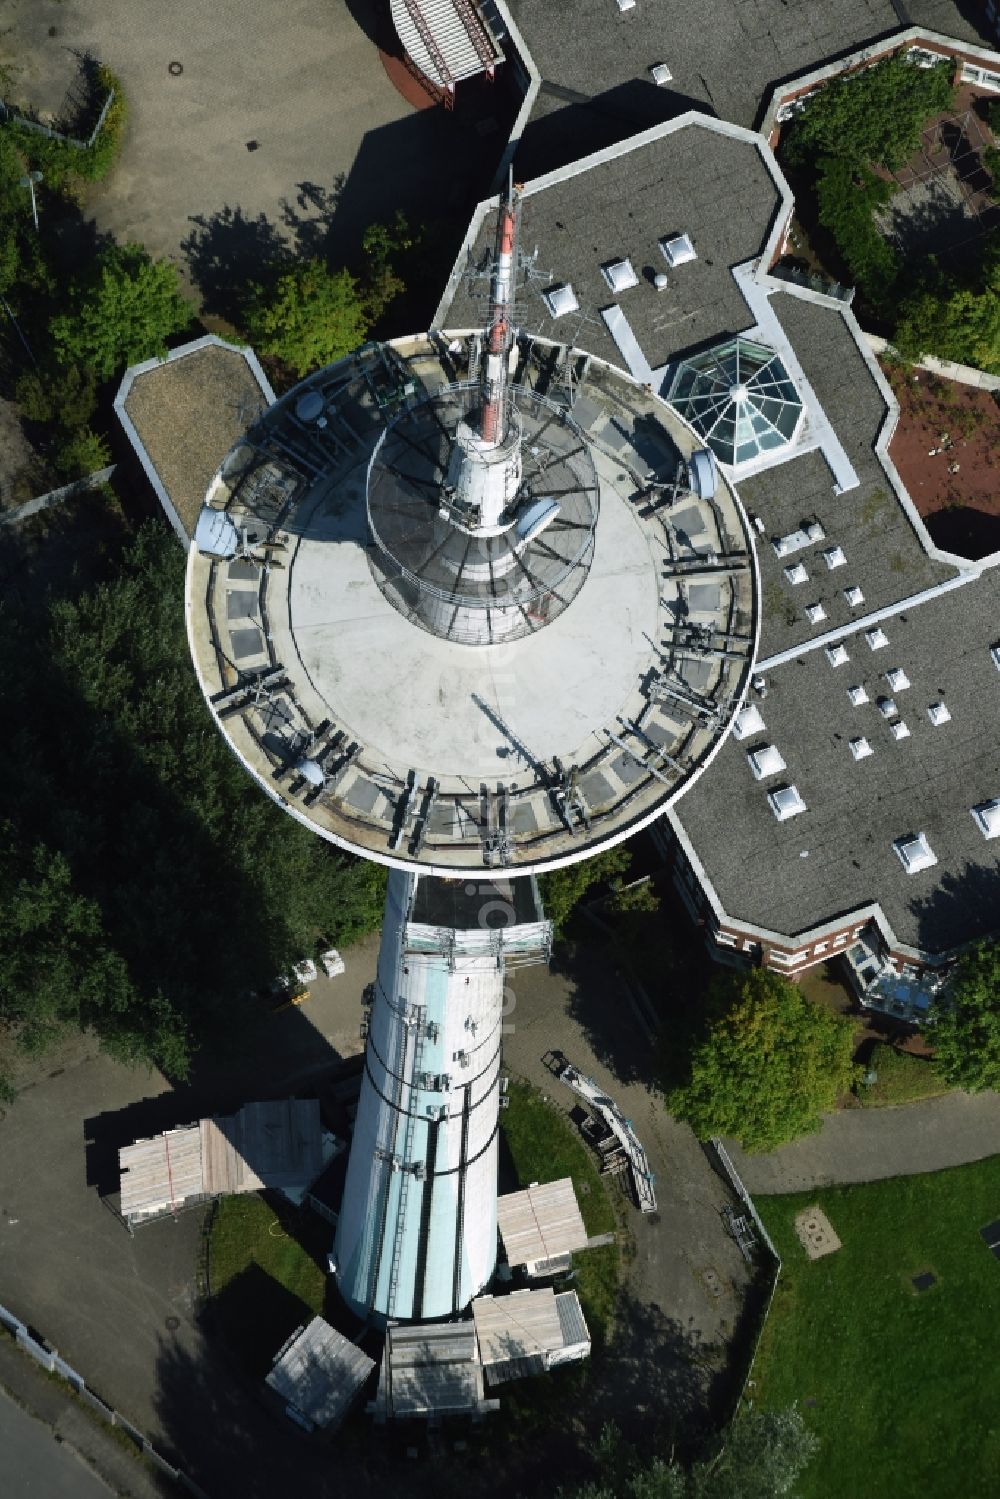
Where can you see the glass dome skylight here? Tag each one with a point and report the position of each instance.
(740, 399)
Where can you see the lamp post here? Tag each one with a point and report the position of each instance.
(29, 181)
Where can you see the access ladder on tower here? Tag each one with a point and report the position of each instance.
(621, 1128)
(415, 1021)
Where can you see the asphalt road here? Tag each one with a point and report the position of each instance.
(36, 1465)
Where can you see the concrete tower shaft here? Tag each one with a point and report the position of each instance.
(416, 1236)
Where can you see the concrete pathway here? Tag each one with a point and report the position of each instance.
(861, 1145)
(35, 1463)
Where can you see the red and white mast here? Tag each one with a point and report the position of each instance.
(485, 469)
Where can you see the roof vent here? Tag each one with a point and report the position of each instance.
(559, 300)
(837, 654)
(876, 638)
(785, 802)
(796, 573)
(834, 557)
(938, 714)
(765, 762)
(987, 818)
(857, 695)
(309, 407)
(814, 531)
(619, 274)
(899, 730)
(748, 721)
(860, 748)
(661, 281)
(995, 656)
(310, 771)
(678, 249)
(660, 74)
(897, 679)
(626, 4)
(815, 613)
(914, 852)
(886, 707)
(854, 597)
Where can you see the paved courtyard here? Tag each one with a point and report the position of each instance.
(337, 147)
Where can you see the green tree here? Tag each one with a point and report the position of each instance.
(309, 317)
(563, 889)
(873, 116)
(122, 310)
(964, 1021)
(955, 321)
(760, 1455)
(146, 885)
(766, 1063)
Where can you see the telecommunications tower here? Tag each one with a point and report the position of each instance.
(474, 605)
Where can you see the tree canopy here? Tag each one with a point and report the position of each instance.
(309, 317)
(760, 1456)
(874, 116)
(123, 309)
(964, 1021)
(563, 889)
(766, 1063)
(147, 885)
(953, 319)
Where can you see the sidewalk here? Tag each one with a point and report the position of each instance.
(49, 1400)
(861, 1145)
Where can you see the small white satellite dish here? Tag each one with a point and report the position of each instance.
(215, 534)
(311, 772)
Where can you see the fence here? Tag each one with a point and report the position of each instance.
(57, 135)
(735, 1181)
(55, 497)
(50, 1361)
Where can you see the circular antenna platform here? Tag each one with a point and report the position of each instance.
(468, 639)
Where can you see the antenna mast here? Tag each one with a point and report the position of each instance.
(484, 473)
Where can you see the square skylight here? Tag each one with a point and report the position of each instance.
(854, 596)
(899, 729)
(876, 638)
(987, 818)
(792, 542)
(837, 654)
(785, 802)
(660, 74)
(765, 761)
(678, 250)
(938, 714)
(834, 557)
(814, 531)
(860, 748)
(748, 721)
(619, 274)
(796, 574)
(857, 695)
(914, 852)
(995, 656)
(815, 613)
(887, 707)
(626, 4)
(560, 300)
(897, 679)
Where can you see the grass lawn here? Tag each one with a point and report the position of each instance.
(902, 1078)
(544, 1147)
(267, 1273)
(903, 1389)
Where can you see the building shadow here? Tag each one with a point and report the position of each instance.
(965, 530)
(963, 908)
(566, 125)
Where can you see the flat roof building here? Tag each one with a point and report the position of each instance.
(319, 1374)
(529, 1332)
